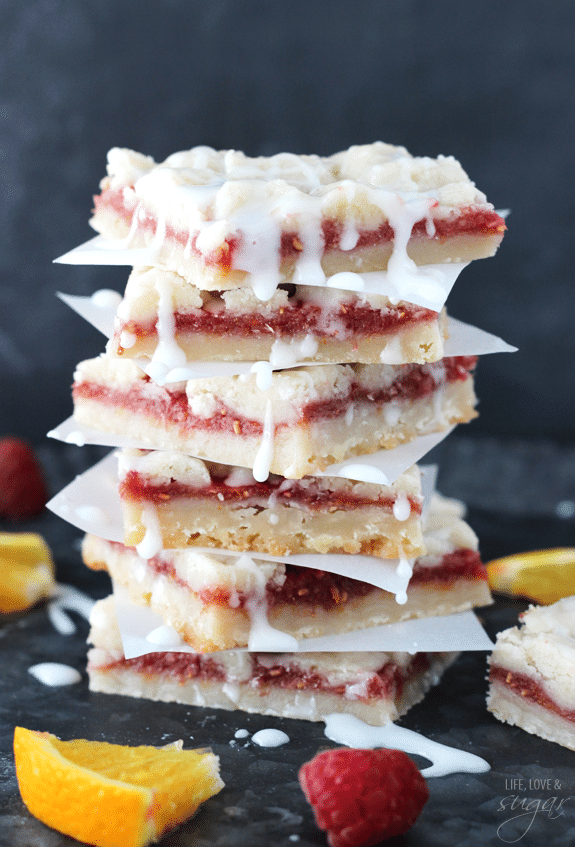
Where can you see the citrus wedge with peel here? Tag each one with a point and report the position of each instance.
(26, 570)
(543, 576)
(111, 795)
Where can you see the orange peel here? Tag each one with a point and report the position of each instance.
(26, 570)
(110, 795)
(543, 576)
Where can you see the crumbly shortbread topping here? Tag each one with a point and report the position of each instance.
(543, 647)
(558, 619)
(345, 179)
(146, 286)
(250, 215)
(161, 467)
(445, 530)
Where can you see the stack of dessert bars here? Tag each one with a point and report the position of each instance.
(277, 365)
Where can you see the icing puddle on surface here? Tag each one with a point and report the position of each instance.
(53, 673)
(353, 732)
(68, 597)
(270, 738)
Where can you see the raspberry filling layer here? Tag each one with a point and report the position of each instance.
(466, 221)
(170, 405)
(386, 683)
(526, 687)
(297, 318)
(310, 587)
(274, 491)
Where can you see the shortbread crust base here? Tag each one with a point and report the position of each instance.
(419, 344)
(193, 523)
(510, 707)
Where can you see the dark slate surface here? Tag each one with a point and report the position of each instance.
(261, 805)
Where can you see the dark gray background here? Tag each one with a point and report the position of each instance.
(489, 82)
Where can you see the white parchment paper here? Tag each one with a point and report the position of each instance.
(452, 632)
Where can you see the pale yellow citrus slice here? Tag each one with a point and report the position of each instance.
(544, 576)
(110, 795)
(26, 570)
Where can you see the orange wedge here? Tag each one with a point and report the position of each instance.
(26, 570)
(544, 576)
(109, 795)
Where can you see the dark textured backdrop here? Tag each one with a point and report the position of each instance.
(489, 82)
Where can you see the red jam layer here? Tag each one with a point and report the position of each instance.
(171, 407)
(310, 587)
(297, 318)
(466, 221)
(386, 683)
(183, 666)
(133, 486)
(525, 686)
(460, 564)
(414, 383)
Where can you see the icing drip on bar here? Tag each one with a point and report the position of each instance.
(262, 636)
(151, 543)
(168, 355)
(263, 460)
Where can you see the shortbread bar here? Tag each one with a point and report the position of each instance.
(532, 673)
(308, 418)
(222, 219)
(376, 687)
(164, 318)
(185, 502)
(210, 601)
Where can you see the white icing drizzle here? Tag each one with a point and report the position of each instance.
(270, 738)
(264, 456)
(264, 374)
(241, 733)
(105, 298)
(127, 339)
(164, 636)
(401, 507)
(238, 477)
(168, 355)
(404, 568)
(402, 270)
(392, 353)
(308, 269)
(262, 637)
(55, 674)
(68, 597)
(151, 544)
(76, 437)
(261, 263)
(286, 355)
(353, 732)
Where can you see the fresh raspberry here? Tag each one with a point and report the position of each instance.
(361, 797)
(23, 491)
